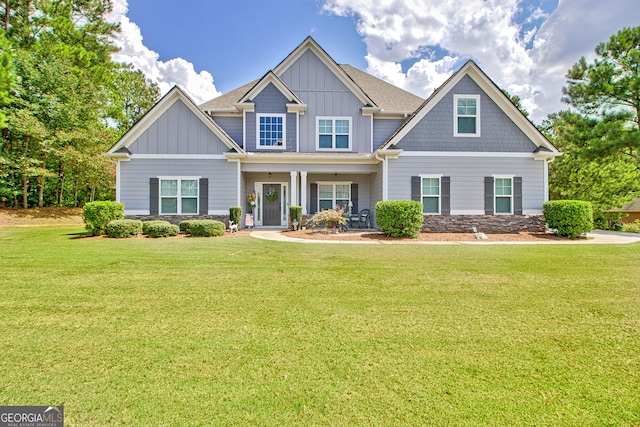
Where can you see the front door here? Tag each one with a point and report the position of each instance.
(271, 194)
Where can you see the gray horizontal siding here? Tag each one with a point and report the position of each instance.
(435, 131)
(325, 95)
(467, 178)
(232, 126)
(178, 131)
(135, 175)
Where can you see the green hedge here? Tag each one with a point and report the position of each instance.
(96, 215)
(235, 214)
(571, 218)
(159, 229)
(206, 228)
(185, 225)
(633, 227)
(400, 218)
(122, 228)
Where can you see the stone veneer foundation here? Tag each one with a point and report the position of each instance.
(483, 223)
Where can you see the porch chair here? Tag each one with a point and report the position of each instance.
(362, 219)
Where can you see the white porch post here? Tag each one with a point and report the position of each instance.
(294, 188)
(303, 191)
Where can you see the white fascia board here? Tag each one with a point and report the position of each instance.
(267, 158)
(465, 154)
(118, 156)
(179, 156)
(297, 108)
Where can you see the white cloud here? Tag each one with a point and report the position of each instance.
(486, 31)
(166, 74)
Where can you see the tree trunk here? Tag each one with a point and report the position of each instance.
(40, 190)
(25, 189)
(93, 194)
(7, 12)
(60, 183)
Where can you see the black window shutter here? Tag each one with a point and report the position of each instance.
(445, 195)
(204, 196)
(416, 190)
(154, 196)
(488, 195)
(354, 198)
(517, 195)
(314, 198)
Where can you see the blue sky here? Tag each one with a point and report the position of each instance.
(209, 47)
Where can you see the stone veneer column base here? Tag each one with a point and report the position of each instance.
(483, 223)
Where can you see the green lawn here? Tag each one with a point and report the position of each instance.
(240, 331)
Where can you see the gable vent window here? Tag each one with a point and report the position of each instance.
(334, 133)
(271, 131)
(466, 115)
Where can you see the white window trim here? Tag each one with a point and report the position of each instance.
(333, 136)
(455, 116)
(495, 195)
(334, 183)
(179, 196)
(284, 132)
(422, 196)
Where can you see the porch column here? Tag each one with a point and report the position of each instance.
(294, 188)
(303, 191)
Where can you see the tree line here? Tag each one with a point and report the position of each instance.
(64, 101)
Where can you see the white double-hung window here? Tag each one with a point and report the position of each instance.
(271, 131)
(466, 112)
(334, 133)
(331, 195)
(503, 194)
(430, 194)
(179, 196)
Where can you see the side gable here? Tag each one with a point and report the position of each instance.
(175, 125)
(470, 79)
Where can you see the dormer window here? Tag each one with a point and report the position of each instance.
(271, 131)
(334, 133)
(466, 112)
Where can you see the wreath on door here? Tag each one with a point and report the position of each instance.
(271, 194)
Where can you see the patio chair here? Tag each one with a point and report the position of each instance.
(362, 219)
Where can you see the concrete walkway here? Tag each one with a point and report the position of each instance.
(593, 238)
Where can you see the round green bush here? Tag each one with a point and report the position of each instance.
(122, 228)
(400, 218)
(96, 215)
(206, 228)
(184, 225)
(570, 218)
(159, 229)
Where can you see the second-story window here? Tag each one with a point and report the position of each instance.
(334, 133)
(466, 111)
(271, 132)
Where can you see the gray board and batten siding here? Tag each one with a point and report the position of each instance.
(232, 125)
(435, 131)
(467, 179)
(178, 131)
(325, 95)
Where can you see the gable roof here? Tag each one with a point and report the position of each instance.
(543, 147)
(119, 150)
(382, 97)
(632, 206)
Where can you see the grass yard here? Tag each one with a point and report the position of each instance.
(240, 331)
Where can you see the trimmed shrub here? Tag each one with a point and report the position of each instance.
(295, 214)
(185, 225)
(400, 218)
(329, 218)
(235, 214)
(122, 228)
(96, 215)
(206, 228)
(159, 229)
(571, 218)
(607, 220)
(633, 227)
